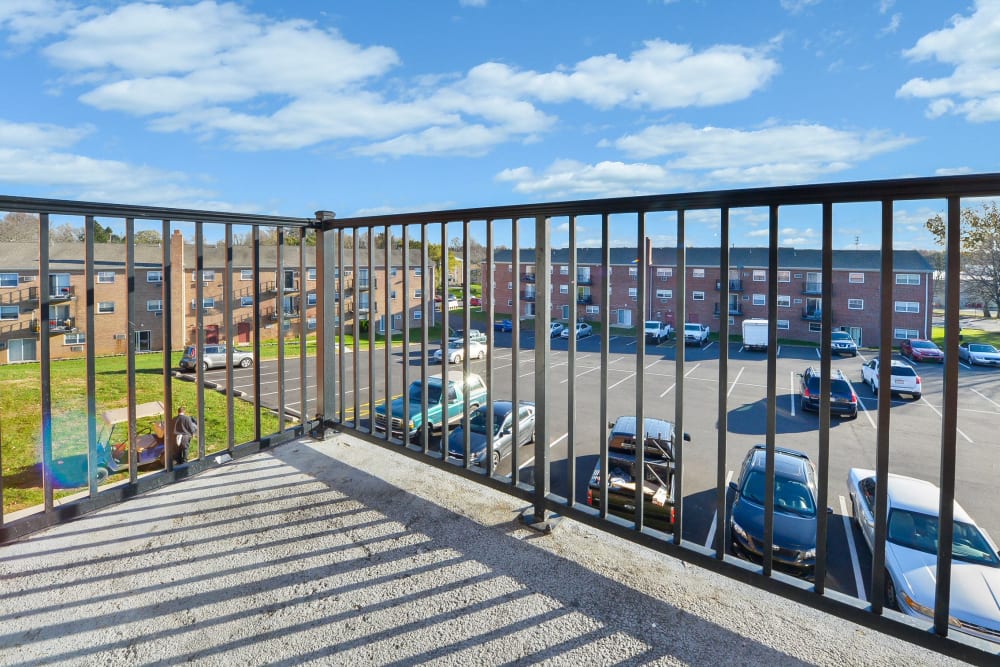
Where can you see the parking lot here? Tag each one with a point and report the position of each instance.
(915, 432)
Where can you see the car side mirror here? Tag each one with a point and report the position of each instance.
(733, 487)
(829, 510)
(611, 424)
(687, 437)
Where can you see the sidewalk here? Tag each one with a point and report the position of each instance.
(340, 552)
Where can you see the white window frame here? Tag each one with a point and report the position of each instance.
(6, 310)
(907, 307)
(900, 334)
(208, 275)
(633, 272)
(815, 327)
(856, 278)
(106, 277)
(510, 303)
(697, 273)
(5, 280)
(664, 294)
(105, 307)
(564, 289)
(75, 338)
(907, 278)
(633, 293)
(697, 296)
(510, 285)
(784, 276)
(311, 274)
(311, 298)
(664, 273)
(154, 276)
(564, 269)
(246, 274)
(784, 301)
(419, 270)
(783, 324)
(593, 310)
(154, 305)
(418, 294)
(855, 304)
(246, 301)
(418, 314)
(759, 275)
(759, 299)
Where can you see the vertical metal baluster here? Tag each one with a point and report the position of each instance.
(255, 236)
(91, 368)
(341, 327)
(640, 367)
(515, 319)
(427, 280)
(279, 309)
(444, 341)
(130, 318)
(356, 357)
(605, 337)
(227, 307)
(387, 273)
(467, 361)
(825, 370)
(372, 304)
(199, 289)
(543, 364)
(304, 326)
(721, 525)
(678, 490)
(45, 366)
(488, 294)
(407, 313)
(571, 369)
(772, 393)
(167, 315)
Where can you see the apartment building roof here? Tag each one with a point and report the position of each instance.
(745, 257)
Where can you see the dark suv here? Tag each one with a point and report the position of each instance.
(843, 399)
(794, 509)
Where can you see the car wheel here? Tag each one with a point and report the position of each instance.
(532, 439)
(482, 355)
(802, 405)
(916, 396)
(891, 601)
(874, 388)
(246, 362)
(496, 459)
(204, 366)
(102, 474)
(854, 354)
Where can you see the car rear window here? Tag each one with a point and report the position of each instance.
(903, 371)
(837, 386)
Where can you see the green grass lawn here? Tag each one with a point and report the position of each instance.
(20, 416)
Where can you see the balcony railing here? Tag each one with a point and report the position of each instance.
(734, 285)
(812, 287)
(734, 309)
(56, 325)
(528, 296)
(528, 277)
(585, 299)
(62, 293)
(357, 377)
(584, 279)
(812, 314)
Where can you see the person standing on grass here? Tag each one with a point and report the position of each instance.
(184, 429)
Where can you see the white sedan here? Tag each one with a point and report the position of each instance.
(979, 354)
(911, 554)
(582, 330)
(456, 351)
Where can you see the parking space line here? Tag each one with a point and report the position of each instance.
(938, 413)
(715, 516)
(630, 375)
(778, 353)
(551, 445)
(865, 410)
(591, 370)
(855, 565)
(735, 381)
(693, 369)
(987, 398)
(668, 390)
(818, 355)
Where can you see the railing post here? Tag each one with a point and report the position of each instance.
(326, 383)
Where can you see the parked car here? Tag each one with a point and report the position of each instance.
(457, 352)
(444, 401)
(795, 508)
(215, 356)
(843, 398)
(904, 379)
(503, 325)
(755, 334)
(475, 301)
(976, 354)
(695, 334)
(918, 349)
(474, 335)
(657, 331)
(842, 342)
(582, 330)
(556, 329)
(911, 549)
(503, 432)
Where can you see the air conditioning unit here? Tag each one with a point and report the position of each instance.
(121, 336)
(25, 279)
(76, 348)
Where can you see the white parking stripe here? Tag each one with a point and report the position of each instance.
(853, 550)
(551, 445)
(668, 390)
(715, 516)
(986, 398)
(735, 381)
(630, 375)
(861, 404)
(938, 413)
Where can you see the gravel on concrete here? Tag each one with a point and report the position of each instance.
(340, 552)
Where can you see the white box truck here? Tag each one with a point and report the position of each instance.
(755, 334)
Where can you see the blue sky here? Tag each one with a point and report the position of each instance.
(381, 107)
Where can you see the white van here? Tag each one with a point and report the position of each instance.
(755, 334)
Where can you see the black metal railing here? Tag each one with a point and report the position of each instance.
(528, 277)
(734, 285)
(812, 315)
(585, 299)
(584, 279)
(734, 309)
(358, 379)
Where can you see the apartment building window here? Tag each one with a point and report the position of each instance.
(310, 323)
(784, 276)
(418, 294)
(759, 275)
(664, 294)
(900, 334)
(633, 293)
(510, 302)
(697, 273)
(208, 275)
(510, 285)
(633, 273)
(105, 276)
(78, 338)
(815, 327)
(246, 301)
(154, 305)
(105, 307)
(784, 301)
(290, 278)
(10, 312)
(783, 324)
(419, 271)
(663, 274)
(348, 273)
(8, 280)
(206, 303)
(418, 314)
(246, 274)
(311, 274)
(593, 310)
(856, 278)
(759, 299)
(907, 278)
(564, 289)
(855, 304)
(907, 307)
(311, 298)
(154, 276)
(392, 272)
(564, 269)
(697, 296)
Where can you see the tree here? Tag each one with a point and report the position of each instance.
(980, 247)
(19, 227)
(147, 237)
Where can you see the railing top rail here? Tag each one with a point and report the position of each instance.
(978, 185)
(98, 209)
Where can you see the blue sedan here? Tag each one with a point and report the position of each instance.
(503, 325)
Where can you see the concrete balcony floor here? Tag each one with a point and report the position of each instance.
(340, 552)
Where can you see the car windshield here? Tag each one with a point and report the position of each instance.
(477, 422)
(433, 393)
(840, 335)
(915, 530)
(978, 347)
(692, 327)
(652, 324)
(923, 344)
(790, 496)
(456, 344)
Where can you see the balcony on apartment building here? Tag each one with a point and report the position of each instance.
(584, 279)
(812, 287)
(62, 293)
(528, 295)
(528, 277)
(734, 309)
(734, 285)
(812, 314)
(56, 325)
(584, 299)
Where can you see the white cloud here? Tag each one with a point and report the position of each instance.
(30, 20)
(568, 179)
(971, 45)
(893, 25)
(472, 3)
(796, 6)
(40, 135)
(953, 171)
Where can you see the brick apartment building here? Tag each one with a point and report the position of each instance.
(362, 290)
(856, 289)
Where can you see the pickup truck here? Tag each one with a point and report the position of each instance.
(658, 473)
(475, 335)
(658, 331)
(439, 403)
(695, 334)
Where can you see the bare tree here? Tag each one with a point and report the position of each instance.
(19, 227)
(980, 232)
